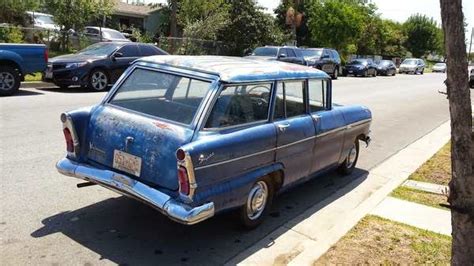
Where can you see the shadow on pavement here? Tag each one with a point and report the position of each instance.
(69, 90)
(22, 92)
(127, 232)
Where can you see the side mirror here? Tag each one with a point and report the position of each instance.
(117, 54)
(282, 56)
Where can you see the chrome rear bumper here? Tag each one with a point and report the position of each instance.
(122, 184)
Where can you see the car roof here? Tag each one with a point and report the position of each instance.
(237, 69)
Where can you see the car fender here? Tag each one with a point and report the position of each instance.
(14, 58)
(231, 193)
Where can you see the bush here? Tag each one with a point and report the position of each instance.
(11, 35)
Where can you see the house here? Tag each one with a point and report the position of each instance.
(140, 16)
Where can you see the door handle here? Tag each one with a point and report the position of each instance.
(283, 127)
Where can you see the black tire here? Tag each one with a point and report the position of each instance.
(348, 166)
(9, 81)
(375, 73)
(422, 71)
(365, 73)
(252, 220)
(335, 73)
(98, 80)
(394, 72)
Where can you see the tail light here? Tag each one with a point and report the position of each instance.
(183, 180)
(46, 55)
(69, 140)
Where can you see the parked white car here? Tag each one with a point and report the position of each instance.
(43, 21)
(439, 67)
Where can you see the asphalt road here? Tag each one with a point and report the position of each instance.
(45, 219)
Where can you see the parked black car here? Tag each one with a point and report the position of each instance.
(98, 65)
(386, 68)
(325, 59)
(360, 67)
(288, 54)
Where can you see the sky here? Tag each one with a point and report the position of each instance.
(398, 10)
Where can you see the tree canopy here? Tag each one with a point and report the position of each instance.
(423, 35)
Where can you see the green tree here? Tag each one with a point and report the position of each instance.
(75, 14)
(423, 35)
(248, 28)
(14, 11)
(392, 38)
(336, 23)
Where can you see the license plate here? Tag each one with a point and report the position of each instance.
(127, 162)
(48, 73)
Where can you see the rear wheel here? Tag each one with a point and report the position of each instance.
(258, 203)
(9, 81)
(98, 80)
(365, 73)
(347, 167)
(375, 73)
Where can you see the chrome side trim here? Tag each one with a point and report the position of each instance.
(358, 123)
(234, 159)
(124, 185)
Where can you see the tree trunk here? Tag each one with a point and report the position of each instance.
(461, 197)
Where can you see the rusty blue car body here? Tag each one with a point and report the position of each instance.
(196, 135)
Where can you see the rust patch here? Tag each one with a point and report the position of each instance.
(162, 125)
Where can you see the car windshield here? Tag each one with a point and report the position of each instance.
(312, 53)
(409, 62)
(100, 49)
(440, 64)
(111, 34)
(168, 96)
(265, 51)
(44, 19)
(358, 62)
(384, 63)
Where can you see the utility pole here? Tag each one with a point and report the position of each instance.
(470, 45)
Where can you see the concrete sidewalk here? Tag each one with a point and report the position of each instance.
(305, 238)
(414, 214)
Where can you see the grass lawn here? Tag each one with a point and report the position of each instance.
(377, 241)
(437, 169)
(33, 77)
(419, 196)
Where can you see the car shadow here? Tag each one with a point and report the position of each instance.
(125, 231)
(24, 92)
(76, 89)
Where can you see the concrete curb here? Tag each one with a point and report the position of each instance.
(36, 84)
(305, 238)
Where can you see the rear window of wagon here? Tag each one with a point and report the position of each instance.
(164, 95)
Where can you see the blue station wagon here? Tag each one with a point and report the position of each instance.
(193, 136)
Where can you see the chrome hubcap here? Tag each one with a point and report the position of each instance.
(7, 81)
(99, 80)
(351, 157)
(257, 200)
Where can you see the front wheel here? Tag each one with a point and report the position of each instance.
(9, 81)
(258, 203)
(98, 80)
(375, 73)
(348, 166)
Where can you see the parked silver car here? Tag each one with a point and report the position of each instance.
(439, 67)
(412, 65)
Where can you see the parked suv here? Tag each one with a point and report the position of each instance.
(412, 65)
(325, 59)
(289, 54)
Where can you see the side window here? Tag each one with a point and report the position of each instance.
(283, 52)
(317, 92)
(240, 104)
(289, 99)
(190, 91)
(147, 50)
(130, 50)
(291, 53)
(326, 54)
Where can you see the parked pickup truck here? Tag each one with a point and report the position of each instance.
(18, 60)
(195, 136)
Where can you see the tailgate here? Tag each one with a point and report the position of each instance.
(140, 146)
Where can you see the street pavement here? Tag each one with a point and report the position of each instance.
(45, 219)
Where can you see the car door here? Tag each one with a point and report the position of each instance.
(295, 130)
(327, 62)
(123, 58)
(329, 126)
